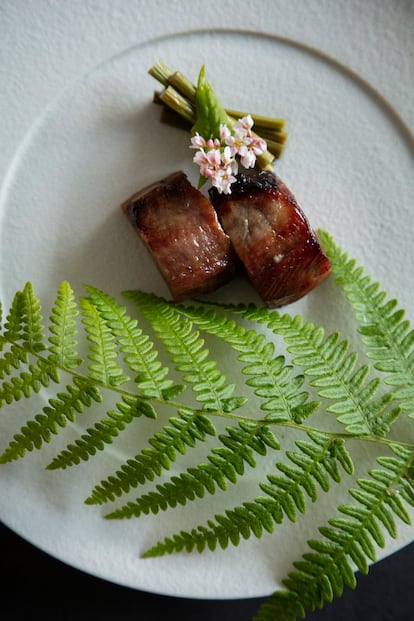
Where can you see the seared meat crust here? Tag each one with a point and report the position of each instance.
(181, 230)
(272, 237)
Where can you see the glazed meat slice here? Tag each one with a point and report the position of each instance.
(180, 228)
(272, 237)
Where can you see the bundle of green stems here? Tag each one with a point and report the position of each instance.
(178, 100)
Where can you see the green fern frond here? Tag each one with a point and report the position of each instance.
(103, 366)
(383, 328)
(349, 542)
(55, 415)
(139, 352)
(313, 466)
(277, 385)
(187, 350)
(224, 465)
(334, 372)
(182, 432)
(270, 375)
(63, 329)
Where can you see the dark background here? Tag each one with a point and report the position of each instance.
(33, 585)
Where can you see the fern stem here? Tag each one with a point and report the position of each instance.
(309, 429)
(216, 413)
(345, 436)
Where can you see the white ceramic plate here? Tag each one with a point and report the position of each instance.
(349, 161)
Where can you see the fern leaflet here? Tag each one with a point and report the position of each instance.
(383, 328)
(55, 415)
(23, 385)
(224, 465)
(316, 462)
(12, 360)
(348, 541)
(334, 374)
(13, 330)
(184, 430)
(24, 322)
(103, 366)
(138, 350)
(269, 374)
(32, 324)
(63, 329)
(103, 432)
(108, 326)
(188, 352)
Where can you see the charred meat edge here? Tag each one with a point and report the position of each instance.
(270, 234)
(180, 228)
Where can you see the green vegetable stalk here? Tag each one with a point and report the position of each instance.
(198, 109)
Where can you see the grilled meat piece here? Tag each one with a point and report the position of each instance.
(181, 230)
(272, 237)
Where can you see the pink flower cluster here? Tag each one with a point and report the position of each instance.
(218, 157)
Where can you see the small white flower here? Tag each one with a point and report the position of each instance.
(228, 159)
(218, 157)
(223, 179)
(258, 145)
(214, 158)
(247, 157)
(224, 132)
(197, 142)
(244, 125)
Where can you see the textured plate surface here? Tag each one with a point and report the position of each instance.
(349, 160)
